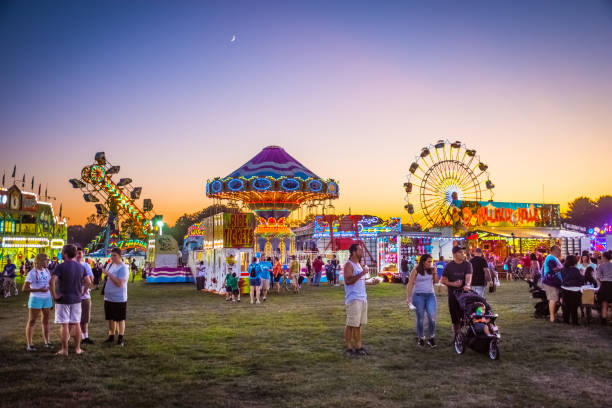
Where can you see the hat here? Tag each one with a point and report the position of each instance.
(457, 249)
(478, 250)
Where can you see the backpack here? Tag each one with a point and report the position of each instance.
(253, 270)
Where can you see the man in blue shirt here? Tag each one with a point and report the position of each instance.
(266, 269)
(551, 267)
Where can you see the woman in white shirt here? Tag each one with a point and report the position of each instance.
(37, 283)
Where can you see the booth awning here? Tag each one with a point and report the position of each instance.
(537, 233)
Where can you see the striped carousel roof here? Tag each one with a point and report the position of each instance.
(275, 162)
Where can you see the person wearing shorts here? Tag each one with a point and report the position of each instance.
(266, 272)
(254, 280)
(552, 266)
(37, 283)
(294, 274)
(277, 273)
(115, 297)
(85, 299)
(457, 276)
(355, 301)
(66, 286)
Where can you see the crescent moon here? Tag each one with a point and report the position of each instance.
(233, 38)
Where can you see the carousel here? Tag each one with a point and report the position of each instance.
(273, 185)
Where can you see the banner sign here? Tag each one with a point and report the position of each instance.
(498, 214)
(28, 202)
(368, 226)
(238, 230)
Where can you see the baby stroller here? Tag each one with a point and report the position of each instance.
(541, 308)
(472, 333)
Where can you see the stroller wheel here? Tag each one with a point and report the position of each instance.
(459, 343)
(494, 350)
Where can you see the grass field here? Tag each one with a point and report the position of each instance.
(189, 349)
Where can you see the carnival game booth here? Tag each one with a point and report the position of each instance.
(501, 228)
(227, 248)
(166, 265)
(28, 227)
(392, 247)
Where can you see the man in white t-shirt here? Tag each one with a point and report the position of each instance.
(85, 299)
(201, 276)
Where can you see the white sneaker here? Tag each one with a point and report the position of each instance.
(258, 302)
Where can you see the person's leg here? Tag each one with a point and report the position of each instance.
(430, 309)
(575, 306)
(121, 327)
(111, 328)
(29, 330)
(76, 329)
(64, 337)
(348, 337)
(418, 301)
(357, 338)
(566, 297)
(604, 311)
(258, 293)
(552, 307)
(46, 325)
(252, 293)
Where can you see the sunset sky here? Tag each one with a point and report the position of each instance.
(351, 89)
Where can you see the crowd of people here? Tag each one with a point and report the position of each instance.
(66, 288)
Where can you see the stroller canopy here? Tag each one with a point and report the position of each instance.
(467, 300)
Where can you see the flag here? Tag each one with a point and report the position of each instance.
(39, 190)
(23, 181)
(32, 183)
(60, 213)
(3, 176)
(46, 193)
(14, 170)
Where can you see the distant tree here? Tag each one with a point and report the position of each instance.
(588, 213)
(83, 235)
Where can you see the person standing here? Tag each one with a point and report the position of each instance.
(134, 269)
(572, 284)
(585, 262)
(404, 271)
(420, 292)
(309, 270)
(201, 276)
(254, 280)
(115, 297)
(355, 301)
(317, 265)
(457, 276)
(67, 283)
(480, 273)
(97, 272)
(604, 277)
(294, 274)
(534, 269)
(9, 275)
(85, 299)
(278, 274)
(266, 271)
(551, 279)
(337, 274)
(37, 283)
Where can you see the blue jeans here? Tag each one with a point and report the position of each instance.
(317, 278)
(425, 302)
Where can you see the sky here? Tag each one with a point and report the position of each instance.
(353, 90)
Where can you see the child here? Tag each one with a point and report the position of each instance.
(228, 286)
(481, 322)
(233, 284)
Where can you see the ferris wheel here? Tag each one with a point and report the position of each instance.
(442, 173)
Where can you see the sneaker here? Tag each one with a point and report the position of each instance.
(264, 299)
(49, 345)
(87, 340)
(228, 299)
(238, 300)
(362, 352)
(421, 343)
(110, 340)
(121, 343)
(258, 302)
(30, 347)
(234, 300)
(350, 353)
(251, 302)
(431, 342)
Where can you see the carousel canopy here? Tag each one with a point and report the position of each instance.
(275, 162)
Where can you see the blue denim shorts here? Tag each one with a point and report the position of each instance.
(255, 281)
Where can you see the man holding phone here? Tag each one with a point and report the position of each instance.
(356, 302)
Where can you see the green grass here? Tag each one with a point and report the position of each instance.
(189, 349)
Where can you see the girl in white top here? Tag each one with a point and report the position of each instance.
(37, 283)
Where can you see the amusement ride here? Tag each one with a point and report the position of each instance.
(440, 174)
(273, 185)
(127, 225)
